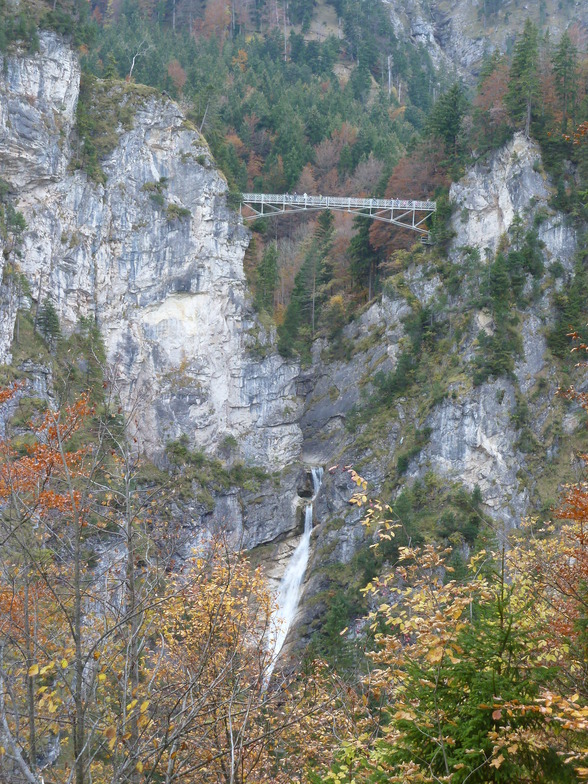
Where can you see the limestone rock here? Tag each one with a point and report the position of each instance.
(165, 284)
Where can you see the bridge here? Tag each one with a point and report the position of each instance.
(401, 212)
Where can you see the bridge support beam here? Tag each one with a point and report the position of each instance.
(405, 213)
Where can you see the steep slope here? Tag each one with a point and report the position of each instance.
(153, 255)
(507, 440)
(459, 34)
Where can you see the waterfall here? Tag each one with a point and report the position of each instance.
(289, 590)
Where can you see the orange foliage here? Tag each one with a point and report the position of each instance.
(254, 167)
(217, 17)
(416, 177)
(240, 61)
(306, 182)
(177, 75)
(47, 458)
(490, 99)
(233, 138)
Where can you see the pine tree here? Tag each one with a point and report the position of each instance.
(311, 288)
(565, 71)
(363, 256)
(111, 69)
(447, 115)
(48, 322)
(267, 279)
(524, 86)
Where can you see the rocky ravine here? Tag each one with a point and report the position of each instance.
(168, 291)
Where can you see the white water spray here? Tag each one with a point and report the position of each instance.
(289, 590)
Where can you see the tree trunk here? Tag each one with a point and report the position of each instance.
(30, 660)
(528, 119)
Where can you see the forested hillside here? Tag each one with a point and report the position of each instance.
(194, 417)
(322, 99)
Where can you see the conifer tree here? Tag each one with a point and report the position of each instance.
(363, 256)
(267, 279)
(565, 71)
(524, 86)
(310, 290)
(48, 322)
(447, 115)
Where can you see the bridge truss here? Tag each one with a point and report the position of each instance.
(401, 212)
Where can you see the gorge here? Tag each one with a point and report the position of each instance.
(163, 279)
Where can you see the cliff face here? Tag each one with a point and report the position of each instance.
(458, 34)
(163, 280)
(473, 434)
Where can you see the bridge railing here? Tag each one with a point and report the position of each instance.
(338, 202)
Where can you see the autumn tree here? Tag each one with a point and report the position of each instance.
(481, 678)
(491, 123)
(110, 669)
(177, 74)
(81, 656)
(416, 176)
(452, 654)
(40, 495)
(217, 17)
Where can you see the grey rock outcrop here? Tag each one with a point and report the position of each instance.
(473, 435)
(492, 193)
(164, 282)
(458, 36)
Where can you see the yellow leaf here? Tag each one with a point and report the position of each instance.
(139, 766)
(34, 670)
(102, 677)
(63, 664)
(435, 655)
(144, 706)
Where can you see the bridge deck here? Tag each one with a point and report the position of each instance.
(406, 213)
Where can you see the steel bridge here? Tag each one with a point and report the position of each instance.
(401, 212)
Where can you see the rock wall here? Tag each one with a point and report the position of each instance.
(473, 431)
(458, 34)
(165, 283)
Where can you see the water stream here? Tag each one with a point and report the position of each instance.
(289, 590)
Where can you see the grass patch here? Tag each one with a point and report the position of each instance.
(106, 108)
(199, 475)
